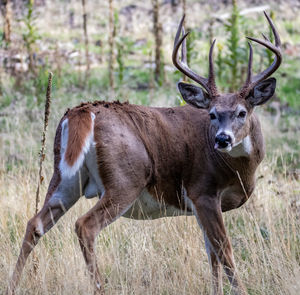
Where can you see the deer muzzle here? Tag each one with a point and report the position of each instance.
(223, 141)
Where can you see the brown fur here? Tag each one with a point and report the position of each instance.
(179, 145)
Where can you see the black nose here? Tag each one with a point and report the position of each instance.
(223, 140)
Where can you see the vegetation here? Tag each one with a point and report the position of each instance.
(165, 256)
(30, 35)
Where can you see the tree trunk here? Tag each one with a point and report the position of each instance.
(111, 42)
(6, 12)
(157, 30)
(86, 40)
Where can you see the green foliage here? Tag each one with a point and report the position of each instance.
(220, 61)
(2, 41)
(120, 62)
(120, 49)
(30, 36)
(190, 45)
(236, 54)
(191, 54)
(161, 78)
(7, 92)
(289, 91)
(6, 100)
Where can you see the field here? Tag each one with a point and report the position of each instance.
(165, 256)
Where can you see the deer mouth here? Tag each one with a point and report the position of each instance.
(221, 149)
(223, 142)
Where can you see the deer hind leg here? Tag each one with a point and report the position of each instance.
(112, 205)
(64, 194)
(36, 228)
(209, 215)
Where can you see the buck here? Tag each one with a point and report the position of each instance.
(145, 162)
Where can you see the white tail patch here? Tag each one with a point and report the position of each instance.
(65, 169)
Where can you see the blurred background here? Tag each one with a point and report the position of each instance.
(121, 50)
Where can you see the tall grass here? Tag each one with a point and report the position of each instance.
(165, 256)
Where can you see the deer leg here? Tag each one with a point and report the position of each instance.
(215, 266)
(36, 228)
(209, 215)
(62, 195)
(111, 206)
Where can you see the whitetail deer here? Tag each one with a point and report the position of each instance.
(146, 162)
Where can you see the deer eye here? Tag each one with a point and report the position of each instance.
(242, 114)
(212, 116)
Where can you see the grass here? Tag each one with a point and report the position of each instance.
(165, 256)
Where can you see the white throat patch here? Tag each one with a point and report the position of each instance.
(242, 148)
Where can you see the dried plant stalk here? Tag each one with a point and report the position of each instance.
(42, 151)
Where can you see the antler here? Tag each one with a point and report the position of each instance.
(251, 82)
(209, 84)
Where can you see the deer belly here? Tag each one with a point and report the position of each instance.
(92, 190)
(147, 207)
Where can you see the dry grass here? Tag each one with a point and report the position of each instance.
(165, 256)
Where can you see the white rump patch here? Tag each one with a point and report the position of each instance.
(65, 169)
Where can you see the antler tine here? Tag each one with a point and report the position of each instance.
(211, 77)
(183, 49)
(275, 33)
(250, 83)
(177, 36)
(249, 74)
(265, 37)
(182, 66)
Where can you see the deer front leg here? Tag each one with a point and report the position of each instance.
(111, 206)
(215, 266)
(209, 216)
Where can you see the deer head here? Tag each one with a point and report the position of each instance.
(229, 113)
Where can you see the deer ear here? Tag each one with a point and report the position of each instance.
(194, 95)
(262, 92)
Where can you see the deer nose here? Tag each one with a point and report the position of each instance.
(222, 140)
